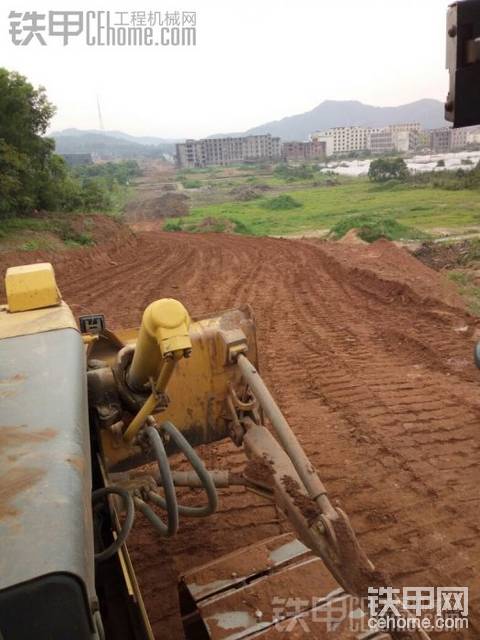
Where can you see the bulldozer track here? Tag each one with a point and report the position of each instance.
(368, 353)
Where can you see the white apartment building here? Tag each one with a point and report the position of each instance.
(405, 126)
(473, 137)
(399, 138)
(342, 140)
(463, 136)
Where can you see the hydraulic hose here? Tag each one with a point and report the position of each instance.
(199, 468)
(98, 495)
(157, 522)
(169, 503)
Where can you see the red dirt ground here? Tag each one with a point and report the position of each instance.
(369, 354)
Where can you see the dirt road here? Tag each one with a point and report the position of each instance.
(369, 354)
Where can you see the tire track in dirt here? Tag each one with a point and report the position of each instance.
(370, 359)
(384, 413)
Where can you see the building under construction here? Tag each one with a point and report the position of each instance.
(231, 150)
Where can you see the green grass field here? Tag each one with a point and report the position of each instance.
(423, 208)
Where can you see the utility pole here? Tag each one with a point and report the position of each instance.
(100, 119)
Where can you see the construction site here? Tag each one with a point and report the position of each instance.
(239, 372)
(369, 354)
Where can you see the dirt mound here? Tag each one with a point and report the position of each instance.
(169, 204)
(100, 228)
(352, 237)
(112, 239)
(43, 231)
(368, 352)
(217, 225)
(244, 193)
(445, 255)
(386, 270)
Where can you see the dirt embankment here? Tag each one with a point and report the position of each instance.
(369, 354)
(54, 233)
(167, 205)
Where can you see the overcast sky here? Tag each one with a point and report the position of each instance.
(253, 62)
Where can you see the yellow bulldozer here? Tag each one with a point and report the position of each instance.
(85, 409)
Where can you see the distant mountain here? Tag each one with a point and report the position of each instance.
(331, 113)
(142, 139)
(111, 144)
(343, 113)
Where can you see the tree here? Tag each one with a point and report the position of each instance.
(27, 161)
(383, 169)
(14, 175)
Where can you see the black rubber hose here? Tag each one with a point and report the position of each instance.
(199, 468)
(157, 522)
(169, 503)
(127, 524)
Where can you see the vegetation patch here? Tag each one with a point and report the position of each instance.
(385, 169)
(450, 180)
(425, 208)
(207, 225)
(33, 177)
(371, 228)
(281, 203)
(55, 231)
(191, 184)
(468, 287)
(292, 173)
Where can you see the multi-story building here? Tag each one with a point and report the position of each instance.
(401, 138)
(191, 154)
(224, 151)
(405, 140)
(463, 136)
(423, 140)
(440, 139)
(473, 136)
(381, 141)
(302, 151)
(343, 140)
(405, 126)
(448, 139)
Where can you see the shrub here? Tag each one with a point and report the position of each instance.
(291, 174)
(173, 225)
(281, 203)
(373, 227)
(191, 184)
(70, 236)
(383, 169)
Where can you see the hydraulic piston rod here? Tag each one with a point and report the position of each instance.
(287, 438)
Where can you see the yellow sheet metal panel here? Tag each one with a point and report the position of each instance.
(36, 321)
(199, 385)
(31, 286)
